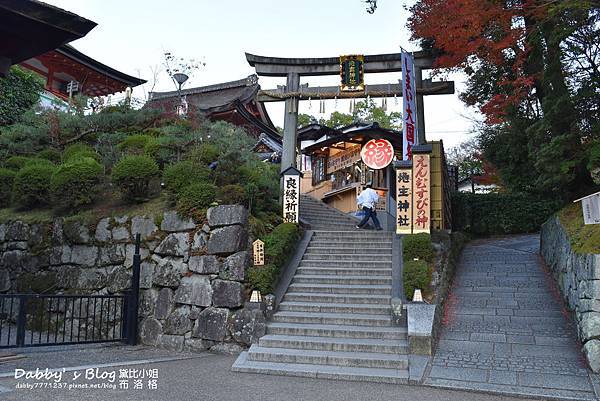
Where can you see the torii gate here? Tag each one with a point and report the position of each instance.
(293, 92)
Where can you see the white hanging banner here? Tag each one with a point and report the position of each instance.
(409, 105)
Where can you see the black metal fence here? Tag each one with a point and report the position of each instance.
(30, 320)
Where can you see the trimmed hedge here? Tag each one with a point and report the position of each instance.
(135, 144)
(416, 275)
(16, 163)
(31, 186)
(7, 178)
(52, 155)
(417, 246)
(79, 150)
(133, 174)
(233, 194)
(75, 183)
(196, 197)
(179, 175)
(500, 213)
(279, 247)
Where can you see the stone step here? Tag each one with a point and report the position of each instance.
(341, 289)
(337, 227)
(349, 243)
(334, 344)
(347, 256)
(334, 358)
(337, 298)
(364, 264)
(313, 270)
(336, 330)
(356, 319)
(325, 215)
(356, 235)
(394, 376)
(336, 279)
(321, 248)
(328, 307)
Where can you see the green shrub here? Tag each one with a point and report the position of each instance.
(135, 144)
(417, 246)
(195, 198)
(16, 163)
(179, 175)
(75, 182)
(204, 154)
(133, 174)
(279, 247)
(500, 213)
(416, 275)
(31, 186)
(6, 182)
(52, 155)
(78, 148)
(232, 194)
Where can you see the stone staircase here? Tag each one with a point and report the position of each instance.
(324, 217)
(335, 318)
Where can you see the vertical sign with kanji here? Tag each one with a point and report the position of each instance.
(291, 198)
(258, 251)
(404, 201)
(409, 105)
(421, 194)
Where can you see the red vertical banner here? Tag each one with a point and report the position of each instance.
(409, 105)
(421, 193)
(404, 200)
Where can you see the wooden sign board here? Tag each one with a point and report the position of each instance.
(421, 193)
(404, 201)
(343, 159)
(352, 73)
(591, 208)
(291, 198)
(258, 251)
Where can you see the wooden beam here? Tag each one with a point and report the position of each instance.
(374, 91)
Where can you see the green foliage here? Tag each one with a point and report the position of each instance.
(75, 182)
(16, 163)
(31, 187)
(79, 150)
(417, 246)
(52, 155)
(500, 213)
(364, 111)
(133, 175)
(135, 144)
(416, 275)
(19, 92)
(583, 238)
(279, 247)
(204, 154)
(182, 174)
(232, 194)
(195, 198)
(7, 178)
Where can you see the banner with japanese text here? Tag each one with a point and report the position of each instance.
(291, 198)
(421, 193)
(404, 200)
(409, 106)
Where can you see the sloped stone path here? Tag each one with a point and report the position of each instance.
(505, 327)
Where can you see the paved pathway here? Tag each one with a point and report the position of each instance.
(505, 327)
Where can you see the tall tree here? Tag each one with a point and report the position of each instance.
(19, 92)
(365, 111)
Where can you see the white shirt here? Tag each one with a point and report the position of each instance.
(368, 198)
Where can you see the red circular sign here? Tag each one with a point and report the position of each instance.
(377, 153)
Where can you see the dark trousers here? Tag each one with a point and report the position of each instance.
(369, 214)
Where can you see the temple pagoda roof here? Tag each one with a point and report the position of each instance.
(356, 133)
(29, 28)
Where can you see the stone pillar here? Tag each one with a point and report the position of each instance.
(420, 138)
(290, 123)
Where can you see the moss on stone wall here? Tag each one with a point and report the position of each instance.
(583, 238)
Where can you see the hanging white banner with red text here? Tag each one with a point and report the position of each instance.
(409, 106)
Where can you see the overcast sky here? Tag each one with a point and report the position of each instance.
(132, 35)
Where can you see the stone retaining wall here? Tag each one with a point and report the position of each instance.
(192, 276)
(578, 277)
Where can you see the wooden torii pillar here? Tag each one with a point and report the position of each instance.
(294, 68)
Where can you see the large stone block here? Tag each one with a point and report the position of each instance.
(194, 290)
(227, 294)
(227, 215)
(3, 230)
(168, 271)
(589, 326)
(76, 232)
(57, 231)
(83, 255)
(119, 279)
(17, 231)
(4, 280)
(591, 349)
(178, 322)
(164, 303)
(148, 302)
(172, 222)
(199, 242)
(589, 289)
(111, 254)
(120, 234)
(247, 325)
(234, 266)
(91, 279)
(144, 226)
(37, 234)
(206, 264)
(146, 272)
(130, 251)
(211, 324)
(176, 244)
(150, 331)
(227, 240)
(103, 233)
(197, 345)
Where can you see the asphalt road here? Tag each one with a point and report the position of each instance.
(205, 377)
